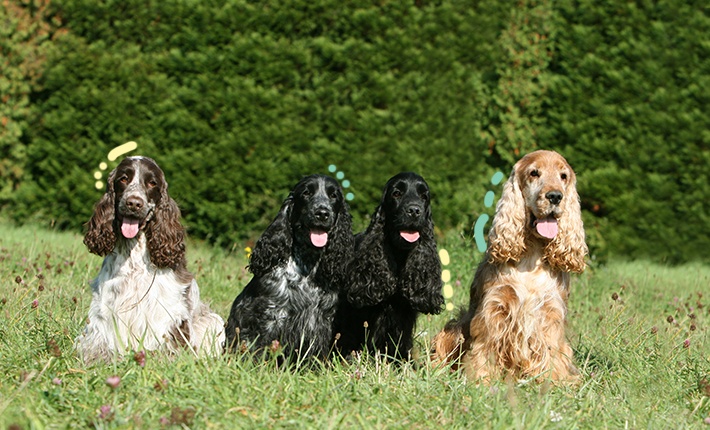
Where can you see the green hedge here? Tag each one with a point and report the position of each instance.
(237, 100)
(630, 104)
(24, 38)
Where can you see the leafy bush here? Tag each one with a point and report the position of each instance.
(237, 100)
(24, 37)
(629, 105)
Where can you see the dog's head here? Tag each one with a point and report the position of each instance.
(313, 222)
(139, 186)
(540, 203)
(136, 202)
(547, 183)
(405, 209)
(317, 203)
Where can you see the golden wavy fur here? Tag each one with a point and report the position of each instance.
(515, 322)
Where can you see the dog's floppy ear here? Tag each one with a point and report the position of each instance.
(371, 279)
(568, 249)
(165, 233)
(274, 246)
(506, 239)
(100, 237)
(420, 281)
(333, 266)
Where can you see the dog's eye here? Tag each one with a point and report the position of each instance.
(396, 194)
(152, 183)
(306, 193)
(563, 176)
(535, 173)
(123, 179)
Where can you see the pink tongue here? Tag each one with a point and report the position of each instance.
(319, 238)
(129, 228)
(410, 236)
(547, 227)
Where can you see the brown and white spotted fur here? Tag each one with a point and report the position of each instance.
(143, 298)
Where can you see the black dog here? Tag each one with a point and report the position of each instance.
(299, 264)
(395, 274)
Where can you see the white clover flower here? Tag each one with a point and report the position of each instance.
(555, 417)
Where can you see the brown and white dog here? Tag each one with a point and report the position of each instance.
(515, 322)
(144, 297)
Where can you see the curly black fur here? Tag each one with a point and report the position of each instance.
(293, 295)
(392, 279)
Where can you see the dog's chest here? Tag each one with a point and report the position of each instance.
(137, 300)
(295, 297)
(536, 285)
(294, 286)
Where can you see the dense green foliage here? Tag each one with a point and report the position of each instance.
(24, 34)
(640, 331)
(237, 100)
(631, 103)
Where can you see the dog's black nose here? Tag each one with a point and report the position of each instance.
(134, 203)
(414, 211)
(555, 197)
(322, 214)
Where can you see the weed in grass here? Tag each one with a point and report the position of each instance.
(106, 413)
(179, 416)
(113, 381)
(139, 358)
(161, 385)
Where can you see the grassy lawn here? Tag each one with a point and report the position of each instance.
(640, 333)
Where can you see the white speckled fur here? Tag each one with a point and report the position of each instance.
(291, 300)
(136, 306)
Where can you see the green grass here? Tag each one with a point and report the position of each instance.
(638, 370)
